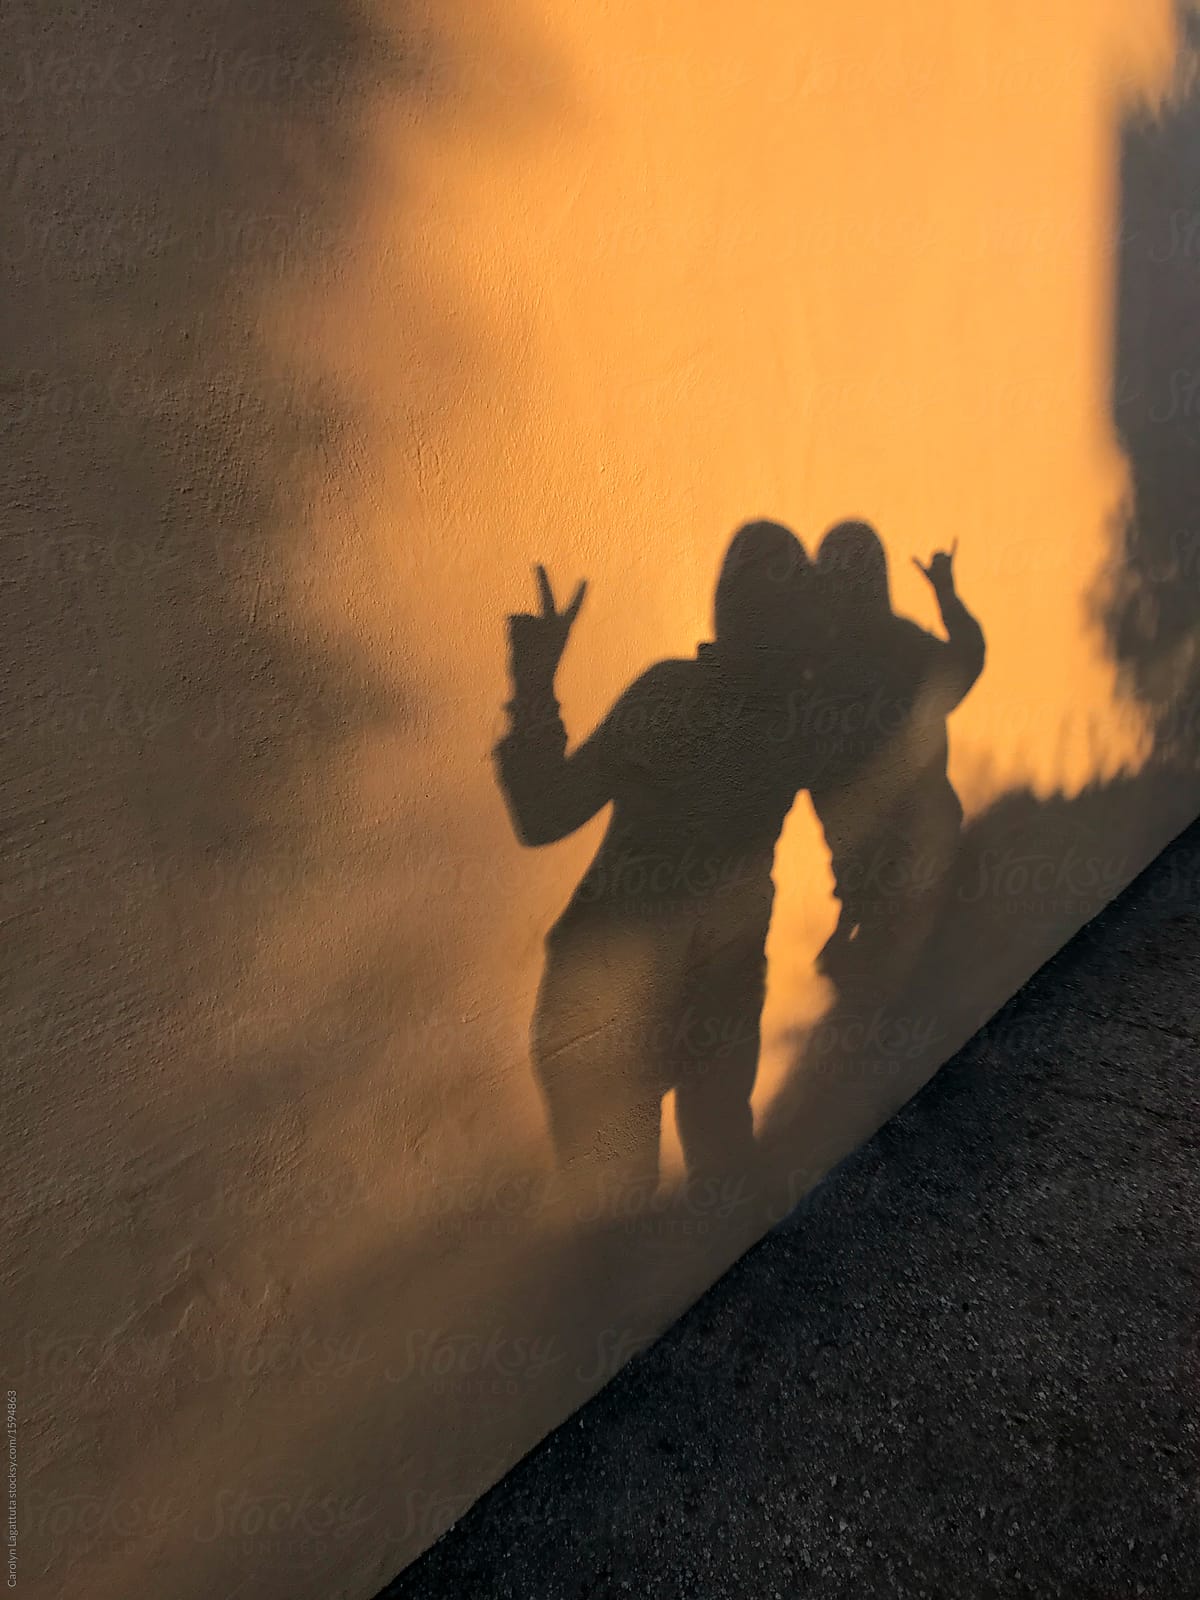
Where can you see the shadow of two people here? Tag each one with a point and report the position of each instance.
(655, 972)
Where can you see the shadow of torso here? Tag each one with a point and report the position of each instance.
(655, 971)
(880, 790)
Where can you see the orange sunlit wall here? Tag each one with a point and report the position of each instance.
(834, 264)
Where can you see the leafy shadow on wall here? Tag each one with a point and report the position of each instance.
(181, 177)
(1148, 601)
(184, 173)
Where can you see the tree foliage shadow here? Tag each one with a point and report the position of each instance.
(171, 709)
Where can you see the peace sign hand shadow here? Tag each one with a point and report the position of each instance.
(536, 641)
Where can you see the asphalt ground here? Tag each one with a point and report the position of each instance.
(966, 1368)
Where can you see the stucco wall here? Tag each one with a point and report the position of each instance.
(326, 322)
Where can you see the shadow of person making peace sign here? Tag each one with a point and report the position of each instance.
(655, 972)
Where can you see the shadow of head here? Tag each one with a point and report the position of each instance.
(764, 578)
(852, 570)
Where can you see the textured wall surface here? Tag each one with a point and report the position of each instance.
(328, 319)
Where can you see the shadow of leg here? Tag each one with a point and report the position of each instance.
(592, 1044)
(716, 1054)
